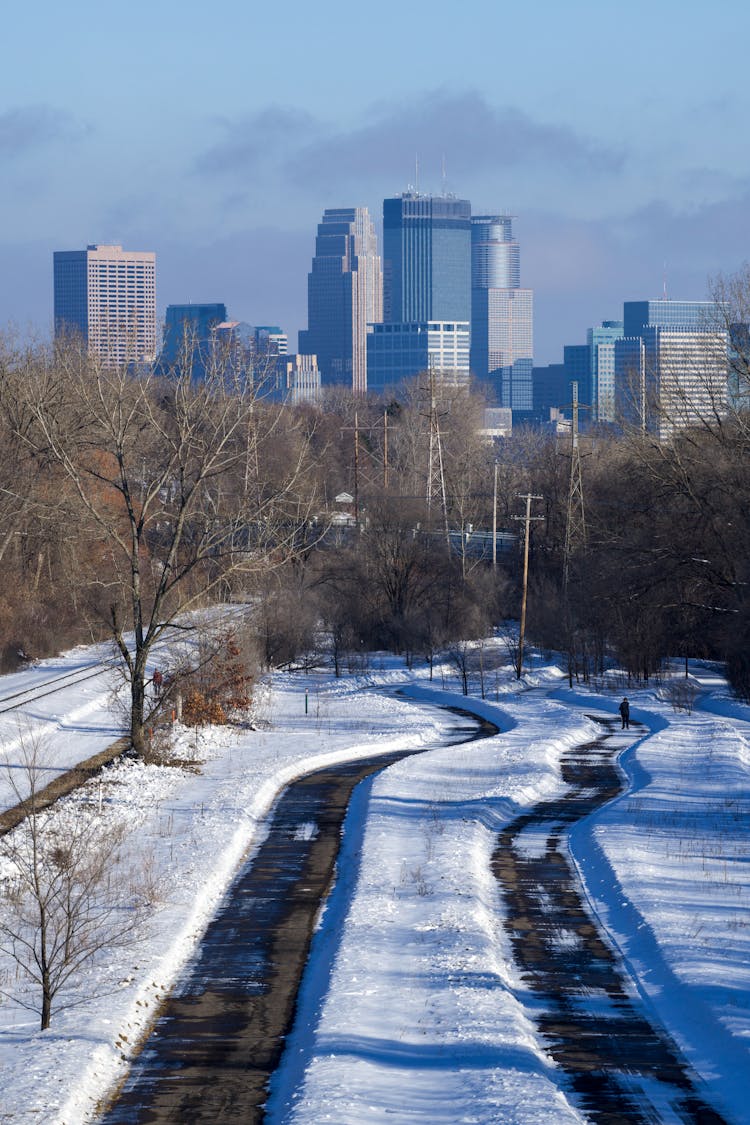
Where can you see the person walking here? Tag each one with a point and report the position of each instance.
(625, 713)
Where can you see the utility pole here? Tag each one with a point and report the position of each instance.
(527, 518)
(355, 428)
(575, 527)
(356, 469)
(494, 520)
(385, 449)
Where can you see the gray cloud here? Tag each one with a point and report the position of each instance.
(246, 145)
(26, 128)
(712, 232)
(473, 135)
(465, 128)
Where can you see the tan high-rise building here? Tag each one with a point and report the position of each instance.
(108, 296)
(344, 295)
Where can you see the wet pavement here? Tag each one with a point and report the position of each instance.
(220, 1035)
(621, 1068)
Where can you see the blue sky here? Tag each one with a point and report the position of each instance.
(617, 134)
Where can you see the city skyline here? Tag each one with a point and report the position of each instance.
(623, 172)
(442, 261)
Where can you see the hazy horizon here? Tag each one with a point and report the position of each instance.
(614, 142)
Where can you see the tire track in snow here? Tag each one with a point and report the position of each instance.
(623, 1067)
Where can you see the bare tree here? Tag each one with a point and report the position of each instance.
(461, 655)
(64, 896)
(179, 483)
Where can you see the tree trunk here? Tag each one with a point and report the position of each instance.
(137, 709)
(46, 1004)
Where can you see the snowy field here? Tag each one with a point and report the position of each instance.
(79, 719)
(412, 1010)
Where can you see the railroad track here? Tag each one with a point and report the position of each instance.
(75, 776)
(61, 682)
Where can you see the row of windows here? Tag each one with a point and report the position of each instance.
(411, 329)
(98, 270)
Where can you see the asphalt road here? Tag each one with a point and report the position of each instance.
(220, 1036)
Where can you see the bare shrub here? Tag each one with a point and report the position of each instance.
(64, 892)
(148, 887)
(218, 690)
(159, 749)
(681, 694)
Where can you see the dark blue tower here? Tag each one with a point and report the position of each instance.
(426, 259)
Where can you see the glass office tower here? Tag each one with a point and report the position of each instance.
(502, 314)
(702, 316)
(400, 351)
(188, 336)
(426, 259)
(344, 295)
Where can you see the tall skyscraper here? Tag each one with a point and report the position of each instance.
(502, 314)
(592, 367)
(344, 295)
(551, 391)
(108, 296)
(577, 364)
(270, 340)
(426, 290)
(426, 259)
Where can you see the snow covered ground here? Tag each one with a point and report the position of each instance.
(412, 1009)
(78, 720)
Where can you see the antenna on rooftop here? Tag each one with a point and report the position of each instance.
(416, 172)
(664, 286)
(442, 169)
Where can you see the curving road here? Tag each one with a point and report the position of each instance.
(621, 1067)
(220, 1036)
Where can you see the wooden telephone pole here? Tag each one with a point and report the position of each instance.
(355, 429)
(527, 518)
